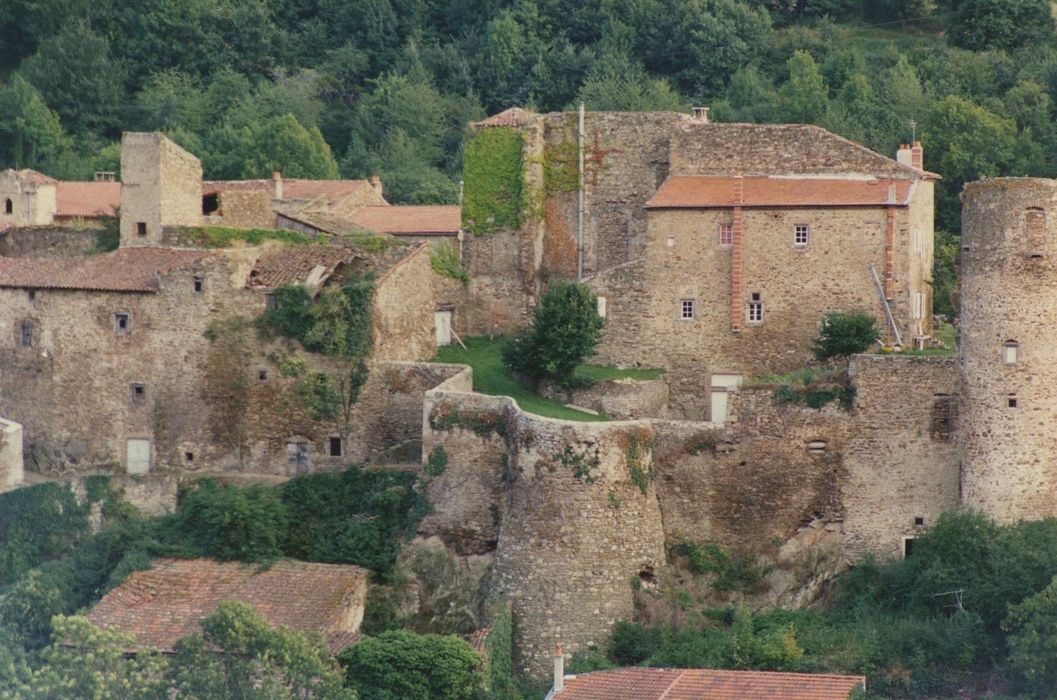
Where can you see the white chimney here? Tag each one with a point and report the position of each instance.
(559, 670)
(277, 183)
(700, 114)
(904, 156)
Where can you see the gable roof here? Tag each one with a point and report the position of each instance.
(514, 116)
(425, 220)
(698, 192)
(87, 199)
(297, 264)
(168, 601)
(706, 684)
(293, 188)
(35, 177)
(122, 270)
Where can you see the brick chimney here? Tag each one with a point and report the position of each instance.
(277, 185)
(904, 155)
(376, 183)
(917, 156)
(559, 670)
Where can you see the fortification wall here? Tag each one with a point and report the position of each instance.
(625, 296)
(161, 185)
(618, 399)
(901, 456)
(1009, 295)
(48, 241)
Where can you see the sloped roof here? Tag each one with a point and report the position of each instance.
(168, 601)
(35, 177)
(293, 188)
(87, 198)
(515, 116)
(297, 264)
(698, 192)
(706, 684)
(123, 270)
(427, 220)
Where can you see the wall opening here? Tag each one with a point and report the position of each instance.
(943, 407)
(1035, 225)
(122, 325)
(141, 228)
(210, 203)
(334, 446)
(1012, 401)
(262, 375)
(919, 521)
(298, 457)
(755, 308)
(137, 394)
(137, 456)
(26, 335)
(908, 546)
(189, 456)
(9, 206)
(198, 284)
(1010, 352)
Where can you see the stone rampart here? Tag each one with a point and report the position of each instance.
(47, 241)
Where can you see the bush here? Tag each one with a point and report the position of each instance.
(565, 331)
(401, 665)
(845, 334)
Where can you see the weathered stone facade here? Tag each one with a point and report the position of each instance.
(11, 467)
(161, 185)
(48, 241)
(27, 198)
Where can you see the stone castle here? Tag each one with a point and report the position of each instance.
(714, 248)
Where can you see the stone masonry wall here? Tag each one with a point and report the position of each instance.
(901, 459)
(626, 296)
(11, 467)
(246, 209)
(161, 185)
(47, 241)
(32, 203)
(404, 303)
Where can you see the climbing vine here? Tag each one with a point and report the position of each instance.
(444, 260)
(446, 417)
(637, 446)
(437, 461)
(493, 172)
(561, 167)
(581, 463)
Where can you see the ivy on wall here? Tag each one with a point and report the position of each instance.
(444, 259)
(494, 189)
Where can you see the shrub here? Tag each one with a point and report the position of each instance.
(845, 334)
(631, 644)
(565, 331)
(1033, 644)
(401, 665)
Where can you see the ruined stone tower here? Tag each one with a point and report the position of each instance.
(1008, 348)
(161, 185)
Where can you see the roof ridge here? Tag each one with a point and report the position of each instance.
(682, 672)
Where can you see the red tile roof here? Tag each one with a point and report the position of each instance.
(706, 684)
(698, 192)
(87, 199)
(36, 177)
(293, 188)
(431, 220)
(297, 264)
(515, 116)
(167, 602)
(123, 270)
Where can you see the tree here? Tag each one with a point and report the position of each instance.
(844, 334)
(565, 331)
(997, 24)
(401, 665)
(804, 95)
(627, 88)
(1033, 642)
(29, 130)
(238, 655)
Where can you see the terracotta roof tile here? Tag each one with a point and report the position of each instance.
(87, 198)
(293, 188)
(515, 116)
(167, 602)
(297, 264)
(36, 177)
(706, 684)
(123, 270)
(698, 192)
(429, 220)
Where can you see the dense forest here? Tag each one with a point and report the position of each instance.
(319, 88)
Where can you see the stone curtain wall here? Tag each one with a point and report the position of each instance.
(1009, 293)
(47, 242)
(403, 309)
(624, 288)
(244, 209)
(901, 461)
(619, 399)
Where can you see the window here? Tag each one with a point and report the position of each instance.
(1012, 402)
(210, 203)
(686, 309)
(198, 284)
(942, 417)
(908, 546)
(800, 234)
(32, 294)
(262, 375)
(141, 228)
(334, 446)
(189, 456)
(1010, 352)
(755, 308)
(121, 324)
(1035, 223)
(726, 234)
(27, 334)
(269, 302)
(9, 206)
(137, 393)
(919, 521)
(601, 306)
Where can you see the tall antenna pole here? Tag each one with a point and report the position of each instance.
(913, 130)
(580, 211)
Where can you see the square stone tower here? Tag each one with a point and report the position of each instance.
(161, 185)
(27, 198)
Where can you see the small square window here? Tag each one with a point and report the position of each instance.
(800, 234)
(27, 334)
(1012, 402)
(919, 521)
(726, 234)
(121, 324)
(334, 446)
(686, 309)
(141, 228)
(262, 375)
(198, 284)
(189, 456)
(137, 393)
(755, 308)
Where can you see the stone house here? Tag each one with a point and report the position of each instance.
(29, 198)
(167, 602)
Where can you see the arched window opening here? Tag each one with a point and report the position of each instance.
(9, 206)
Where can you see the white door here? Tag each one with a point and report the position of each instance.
(722, 385)
(442, 321)
(137, 456)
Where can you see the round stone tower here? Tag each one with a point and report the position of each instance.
(1008, 348)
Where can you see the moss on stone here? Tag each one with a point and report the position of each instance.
(493, 173)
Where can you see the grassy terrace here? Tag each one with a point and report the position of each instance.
(490, 376)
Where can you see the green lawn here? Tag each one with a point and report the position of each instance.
(490, 376)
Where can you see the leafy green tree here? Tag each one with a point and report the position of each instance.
(283, 144)
(844, 334)
(84, 661)
(997, 24)
(566, 329)
(1033, 642)
(627, 88)
(29, 130)
(238, 655)
(804, 96)
(408, 176)
(401, 665)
